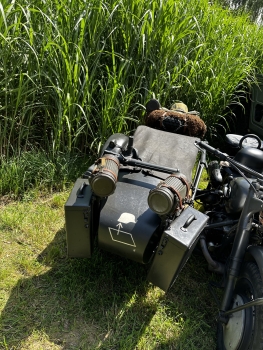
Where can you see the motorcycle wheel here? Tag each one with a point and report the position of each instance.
(244, 330)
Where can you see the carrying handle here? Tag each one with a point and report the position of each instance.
(188, 222)
(81, 190)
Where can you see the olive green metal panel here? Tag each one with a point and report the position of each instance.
(127, 226)
(175, 247)
(78, 220)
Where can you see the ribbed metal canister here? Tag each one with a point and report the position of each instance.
(168, 195)
(105, 176)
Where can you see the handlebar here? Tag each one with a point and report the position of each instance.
(212, 150)
(140, 164)
(223, 156)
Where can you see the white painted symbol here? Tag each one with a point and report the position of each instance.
(119, 226)
(126, 218)
(121, 236)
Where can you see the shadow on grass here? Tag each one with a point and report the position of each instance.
(103, 303)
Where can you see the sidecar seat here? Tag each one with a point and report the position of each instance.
(166, 149)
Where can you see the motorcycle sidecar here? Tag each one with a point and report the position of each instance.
(136, 200)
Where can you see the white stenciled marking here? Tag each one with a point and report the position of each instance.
(119, 226)
(126, 218)
(121, 236)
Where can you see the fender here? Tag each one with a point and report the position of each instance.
(256, 253)
(120, 139)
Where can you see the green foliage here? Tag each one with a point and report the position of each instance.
(253, 7)
(74, 72)
(26, 175)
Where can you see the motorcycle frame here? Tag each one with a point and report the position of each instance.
(241, 241)
(253, 204)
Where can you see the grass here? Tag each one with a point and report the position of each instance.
(48, 301)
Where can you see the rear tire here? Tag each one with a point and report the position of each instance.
(244, 330)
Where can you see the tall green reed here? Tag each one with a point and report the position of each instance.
(72, 73)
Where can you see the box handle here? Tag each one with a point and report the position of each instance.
(81, 190)
(188, 222)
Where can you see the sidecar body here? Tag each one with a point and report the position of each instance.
(126, 205)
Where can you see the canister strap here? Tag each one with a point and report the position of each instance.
(185, 183)
(101, 167)
(172, 189)
(109, 157)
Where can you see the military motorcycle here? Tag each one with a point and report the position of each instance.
(138, 201)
